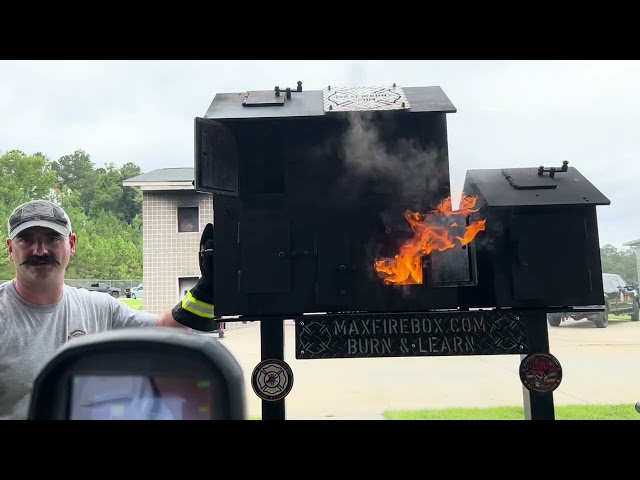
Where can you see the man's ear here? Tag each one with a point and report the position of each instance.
(73, 238)
(10, 248)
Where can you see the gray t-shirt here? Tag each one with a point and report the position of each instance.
(30, 334)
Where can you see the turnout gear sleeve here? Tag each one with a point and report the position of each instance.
(195, 310)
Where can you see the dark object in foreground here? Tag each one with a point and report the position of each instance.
(140, 374)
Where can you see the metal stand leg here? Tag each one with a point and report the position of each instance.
(537, 405)
(272, 346)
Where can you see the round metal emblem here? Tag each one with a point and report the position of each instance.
(540, 372)
(272, 379)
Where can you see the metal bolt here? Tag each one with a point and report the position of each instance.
(302, 323)
(342, 267)
(281, 254)
(330, 107)
(403, 104)
(301, 352)
(413, 345)
(343, 292)
(517, 318)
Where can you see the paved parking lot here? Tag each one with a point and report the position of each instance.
(599, 366)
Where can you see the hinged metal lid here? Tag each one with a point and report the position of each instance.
(260, 98)
(524, 187)
(359, 99)
(527, 179)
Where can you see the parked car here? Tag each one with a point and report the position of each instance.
(137, 292)
(106, 288)
(127, 291)
(620, 298)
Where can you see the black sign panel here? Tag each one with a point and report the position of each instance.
(490, 332)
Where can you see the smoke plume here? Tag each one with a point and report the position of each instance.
(404, 169)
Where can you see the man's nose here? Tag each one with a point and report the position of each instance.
(39, 247)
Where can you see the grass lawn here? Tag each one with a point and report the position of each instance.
(619, 317)
(137, 303)
(563, 412)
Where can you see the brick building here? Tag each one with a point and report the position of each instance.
(173, 217)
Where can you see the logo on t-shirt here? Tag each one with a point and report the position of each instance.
(75, 333)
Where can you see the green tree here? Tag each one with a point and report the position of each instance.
(25, 177)
(76, 172)
(108, 192)
(131, 202)
(622, 262)
(107, 248)
(111, 196)
(22, 178)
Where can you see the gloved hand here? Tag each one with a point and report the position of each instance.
(196, 308)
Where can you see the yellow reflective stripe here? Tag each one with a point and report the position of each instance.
(197, 307)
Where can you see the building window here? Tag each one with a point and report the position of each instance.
(188, 219)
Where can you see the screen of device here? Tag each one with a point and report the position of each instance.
(140, 397)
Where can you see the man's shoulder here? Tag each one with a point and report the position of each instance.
(4, 287)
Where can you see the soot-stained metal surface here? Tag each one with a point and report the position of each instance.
(489, 332)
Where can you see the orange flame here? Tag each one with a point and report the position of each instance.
(405, 268)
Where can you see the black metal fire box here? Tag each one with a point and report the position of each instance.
(541, 245)
(333, 207)
(309, 193)
(314, 189)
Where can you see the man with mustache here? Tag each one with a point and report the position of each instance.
(39, 312)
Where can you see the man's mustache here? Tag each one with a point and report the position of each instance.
(34, 260)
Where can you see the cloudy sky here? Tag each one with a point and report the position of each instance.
(510, 113)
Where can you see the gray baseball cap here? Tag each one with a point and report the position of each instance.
(38, 213)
